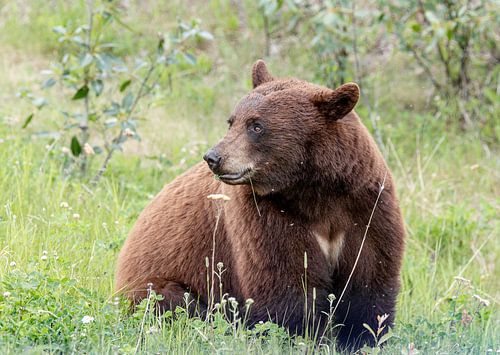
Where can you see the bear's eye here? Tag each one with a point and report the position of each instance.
(256, 128)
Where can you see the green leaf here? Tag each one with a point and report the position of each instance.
(190, 59)
(93, 117)
(81, 93)
(97, 86)
(48, 83)
(127, 101)
(370, 330)
(384, 338)
(28, 120)
(39, 102)
(416, 27)
(60, 29)
(491, 95)
(76, 148)
(110, 123)
(87, 60)
(125, 85)
(98, 150)
(206, 35)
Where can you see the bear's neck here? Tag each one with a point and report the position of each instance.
(348, 167)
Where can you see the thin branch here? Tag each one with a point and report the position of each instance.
(84, 124)
(425, 67)
(267, 33)
(358, 78)
(112, 149)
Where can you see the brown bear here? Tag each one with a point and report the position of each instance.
(309, 210)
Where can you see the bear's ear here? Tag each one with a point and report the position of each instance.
(335, 104)
(260, 74)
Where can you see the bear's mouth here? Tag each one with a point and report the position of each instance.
(236, 178)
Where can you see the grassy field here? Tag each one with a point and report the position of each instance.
(59, 238)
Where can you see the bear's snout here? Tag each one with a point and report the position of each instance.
(213, 159)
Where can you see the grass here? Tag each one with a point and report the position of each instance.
(59, 242)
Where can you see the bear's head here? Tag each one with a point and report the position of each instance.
(273, 130)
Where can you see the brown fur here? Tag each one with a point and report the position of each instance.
(316, 173)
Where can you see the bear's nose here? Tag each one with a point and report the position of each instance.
(213, 159)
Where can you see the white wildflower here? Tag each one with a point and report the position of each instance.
(87, 319)
(64, 205)
(12, 263)
(76, 216)
(6, 294)
(249, 302)
(481, 300)
(152, 330)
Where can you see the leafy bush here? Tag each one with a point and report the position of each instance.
(109, 87)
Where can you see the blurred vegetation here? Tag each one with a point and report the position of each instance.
(429, 74)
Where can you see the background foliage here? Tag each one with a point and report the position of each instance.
(76, 95)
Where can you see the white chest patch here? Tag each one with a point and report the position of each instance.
(331, 246)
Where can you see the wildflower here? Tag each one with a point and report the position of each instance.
(152, 330)
(220, 265)
(87, 319)
(88, 150)
(44, 252)
(231, 299)
(463, 280)
(76, 216)
(482, 301)
(249, 302)
(218, 197)
(12, 263)
(64, 205)
(127, 132)
(466, 318)
(331, 297)
(65, 150)
(43, 257)
(6, 294)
